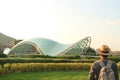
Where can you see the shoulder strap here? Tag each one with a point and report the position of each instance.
(109, 63)
(101, 64)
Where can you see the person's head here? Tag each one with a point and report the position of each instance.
(104, 51)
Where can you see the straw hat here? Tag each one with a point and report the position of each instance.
(104, 50)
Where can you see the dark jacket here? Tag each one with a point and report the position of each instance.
(95, 70)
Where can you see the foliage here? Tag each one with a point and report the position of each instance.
(33, 67)
(45, 56)
(42, 60)
(38, 67)
(3, 55)
(116, 59)
(85, 59)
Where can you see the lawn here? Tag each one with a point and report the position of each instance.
(48, 75)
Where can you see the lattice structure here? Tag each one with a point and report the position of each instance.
(49, 47)
(79, 48)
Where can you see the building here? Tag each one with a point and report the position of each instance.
(44, 46)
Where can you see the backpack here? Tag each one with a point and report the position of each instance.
(106, 73)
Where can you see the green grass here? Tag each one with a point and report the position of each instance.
(48, 75)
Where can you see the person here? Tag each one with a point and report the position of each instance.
(104, 51)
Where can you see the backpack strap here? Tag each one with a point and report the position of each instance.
(109, 63)
(101, 63)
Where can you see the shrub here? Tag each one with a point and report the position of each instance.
(31, 67)
(3, 55)
(6, 68)
(42, 60)
(1, 70)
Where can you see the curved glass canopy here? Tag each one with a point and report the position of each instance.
(50, 47)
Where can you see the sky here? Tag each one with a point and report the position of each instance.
(65, 21)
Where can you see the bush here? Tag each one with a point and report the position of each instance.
(1, 70)
(33, 67)
(116, 59)
(3, 55)
(41, 60)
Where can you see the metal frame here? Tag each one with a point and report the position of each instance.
(78, 48)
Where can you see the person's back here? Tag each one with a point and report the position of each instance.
(106, 72)
(96, 67)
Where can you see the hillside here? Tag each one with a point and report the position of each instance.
(5, 41)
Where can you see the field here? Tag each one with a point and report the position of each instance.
(48, 75)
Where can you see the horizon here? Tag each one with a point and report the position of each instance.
(65, 21)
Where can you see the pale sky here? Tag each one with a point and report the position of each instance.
(65, 21)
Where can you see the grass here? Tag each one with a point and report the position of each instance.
(48, 75)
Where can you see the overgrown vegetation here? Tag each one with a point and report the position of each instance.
(36, 63)
(43, 60)
(3, 55)
(34, 67)
(45, 56)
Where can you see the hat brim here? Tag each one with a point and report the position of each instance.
(99, 52)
